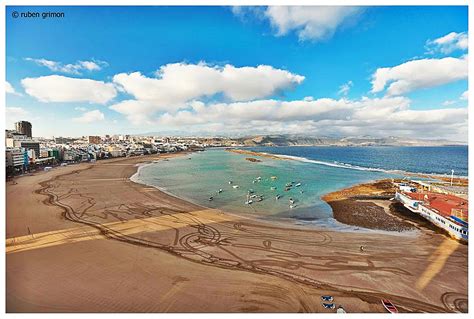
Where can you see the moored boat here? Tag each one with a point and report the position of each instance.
(389, 306)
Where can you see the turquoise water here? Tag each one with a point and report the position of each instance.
(198, 176)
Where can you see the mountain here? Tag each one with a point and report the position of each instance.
(300, 140)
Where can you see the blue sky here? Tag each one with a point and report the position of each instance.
(342, 46)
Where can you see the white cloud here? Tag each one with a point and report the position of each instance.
(80, 108)
(310, 22)
(366, 116)
(465, 95)
(178, 83)
(71, 68)
(57, 88)
(450, 42)
(90, 117)
(419, 74)
(345, 88)
(9, 89)
(15, 113)
(449, 102)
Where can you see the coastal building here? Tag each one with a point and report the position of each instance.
(23, 127)
(94, 139)
(15, 160)
(54, 153)
(31, 145)
(64, 140)
(442, 187)
(446, 211)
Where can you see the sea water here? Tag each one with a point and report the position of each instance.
(199, 176)
(438, 160)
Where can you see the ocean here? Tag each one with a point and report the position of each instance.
(320, 170)
(416, 159)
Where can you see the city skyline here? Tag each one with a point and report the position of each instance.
(261, 70)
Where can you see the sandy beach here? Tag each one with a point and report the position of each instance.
(84, 238)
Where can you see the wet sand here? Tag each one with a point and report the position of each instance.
(367, 205)
(85, 238)
(370, 205)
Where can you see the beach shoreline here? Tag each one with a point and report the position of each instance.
(196, 244)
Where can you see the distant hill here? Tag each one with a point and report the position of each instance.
(307, 140)
(298, 140)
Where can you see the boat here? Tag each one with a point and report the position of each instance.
(259, 198)
(219, 191)
(292, 206)
(301, 192)
(235, 186)
(289, 184)
(298, 185)
(327, 298)
(277, 196)
(273, 188)
(274, 177)
(389, 306)
(248, 201)
(230, 182)
(329, 305)
(211, 198)
(340, 310)
(251, 191)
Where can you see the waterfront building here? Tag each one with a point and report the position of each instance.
(31, 145)
(15, 160)
(446, 211)
(54, 153)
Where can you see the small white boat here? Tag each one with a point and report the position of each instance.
(277, 196)
(211, 198)
(298, 185)
(235, 186)
(292, 206)
(340, 310)
(273, 188)
(274, 177)
(249, 202)
(219, 191)
(230, 182)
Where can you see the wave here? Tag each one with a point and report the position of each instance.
(337, 164)
(356, 167)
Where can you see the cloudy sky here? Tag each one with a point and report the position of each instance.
(328, 71)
